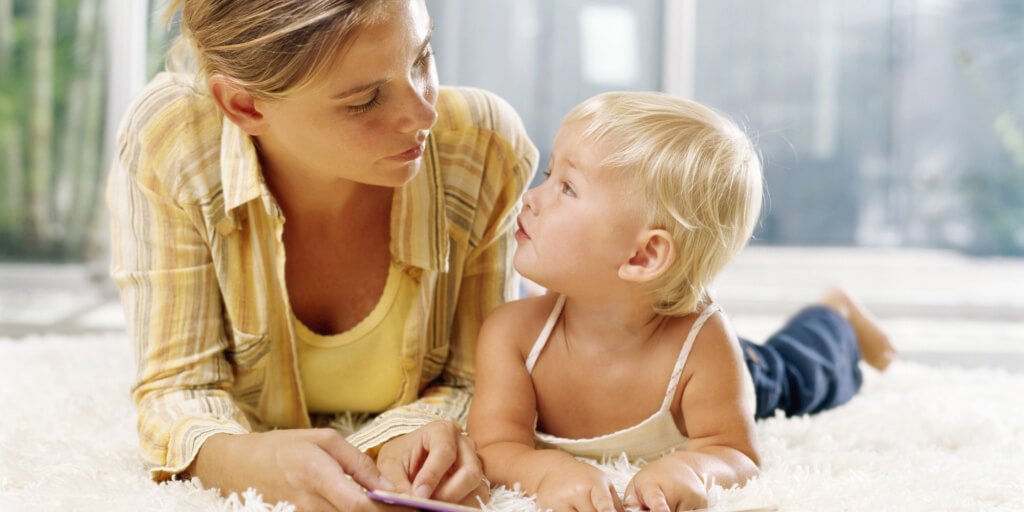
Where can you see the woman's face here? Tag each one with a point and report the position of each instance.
(366, 118)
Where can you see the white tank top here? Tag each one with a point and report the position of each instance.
(646, 440)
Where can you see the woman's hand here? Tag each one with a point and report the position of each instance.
(577, 486)
(666, 485)
(309, 468)
(435, 461)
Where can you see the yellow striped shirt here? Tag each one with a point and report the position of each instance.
(198, 257)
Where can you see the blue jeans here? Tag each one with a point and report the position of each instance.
(808, 366)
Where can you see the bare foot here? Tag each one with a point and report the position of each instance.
(874, 344)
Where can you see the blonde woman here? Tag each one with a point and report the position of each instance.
(304, 227)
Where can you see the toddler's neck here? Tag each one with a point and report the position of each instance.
(598, 327)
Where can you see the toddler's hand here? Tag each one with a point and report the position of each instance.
(666, 485)
(574, 485)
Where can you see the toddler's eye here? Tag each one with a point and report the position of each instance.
(567, 189)
(424, 59)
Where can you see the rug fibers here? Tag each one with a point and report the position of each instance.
(916, 438)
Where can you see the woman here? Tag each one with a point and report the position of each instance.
(306, 228)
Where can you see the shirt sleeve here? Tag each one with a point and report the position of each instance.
(488, 279)
(162, 265)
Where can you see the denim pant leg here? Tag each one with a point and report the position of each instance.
(810, 365)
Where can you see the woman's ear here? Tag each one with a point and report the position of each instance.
(652, 256)
(237, 104)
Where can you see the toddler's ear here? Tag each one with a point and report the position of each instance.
(652, 256)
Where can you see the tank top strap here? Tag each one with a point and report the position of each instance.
(545, 333)
(684, 353)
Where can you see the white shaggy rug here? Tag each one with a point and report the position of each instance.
(917, 438)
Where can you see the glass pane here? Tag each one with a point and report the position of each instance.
(545, 56)
(53, 63)
(895, 123)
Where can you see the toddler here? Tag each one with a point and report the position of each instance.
(648, 197)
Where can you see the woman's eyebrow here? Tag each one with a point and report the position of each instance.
(361, 88)
(358, 89)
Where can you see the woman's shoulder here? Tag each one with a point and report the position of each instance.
(464, 109)
(469, 107)
(169, 104)
(171, 134)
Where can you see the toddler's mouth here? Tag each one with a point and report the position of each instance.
(521, 233)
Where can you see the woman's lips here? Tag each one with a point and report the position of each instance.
(410, 154)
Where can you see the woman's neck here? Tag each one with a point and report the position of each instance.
(304, 195)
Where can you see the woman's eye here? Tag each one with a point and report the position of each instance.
(359, 109)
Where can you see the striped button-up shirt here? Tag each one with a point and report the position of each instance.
(198, 257)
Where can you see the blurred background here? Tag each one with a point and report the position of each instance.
(892, 133)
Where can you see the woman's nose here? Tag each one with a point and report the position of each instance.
(419, 113)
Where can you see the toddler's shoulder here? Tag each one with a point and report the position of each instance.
(519, 322)
(716, 344)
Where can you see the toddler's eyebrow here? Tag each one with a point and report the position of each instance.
(572, 164)
(574, 167)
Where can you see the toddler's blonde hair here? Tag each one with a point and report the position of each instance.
(698, 177)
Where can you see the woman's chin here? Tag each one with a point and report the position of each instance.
(404, 172)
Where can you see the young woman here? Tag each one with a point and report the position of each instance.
(307, 226)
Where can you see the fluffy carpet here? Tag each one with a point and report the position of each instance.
(917, 438)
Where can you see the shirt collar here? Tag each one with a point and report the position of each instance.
(240, 171)
(419, 223)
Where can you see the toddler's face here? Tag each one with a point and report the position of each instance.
(579, 226)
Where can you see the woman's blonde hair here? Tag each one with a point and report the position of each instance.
(269, 47)
(698, 177)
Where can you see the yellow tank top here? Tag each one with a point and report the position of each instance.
(360, 369)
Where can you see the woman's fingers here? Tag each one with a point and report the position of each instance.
(440, 441)
(466, 482)
(316, 479)
(393, 469)
(357, 464)
(339, 491)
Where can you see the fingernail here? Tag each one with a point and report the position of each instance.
(386, 484)
(423, 491)
(631, 502)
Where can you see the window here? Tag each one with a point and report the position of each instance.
(895, 123)
(545, 56)
(53, 65)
